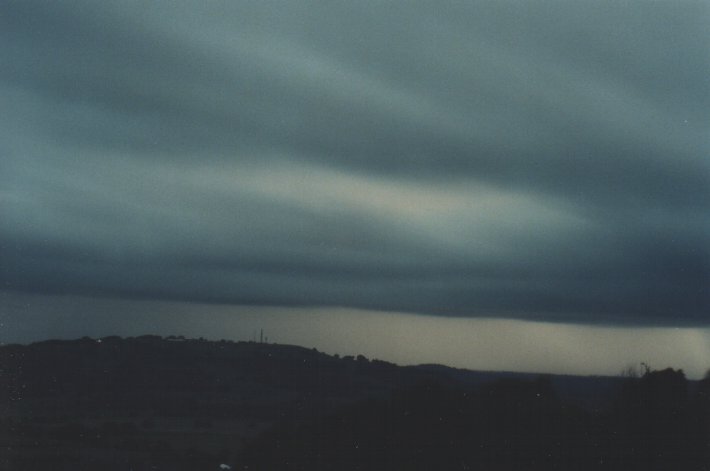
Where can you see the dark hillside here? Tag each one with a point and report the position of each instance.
(152, 403)
(153, 400)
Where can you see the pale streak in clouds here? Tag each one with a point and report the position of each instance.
(532, 160)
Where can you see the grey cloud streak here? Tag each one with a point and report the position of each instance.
(537, 160)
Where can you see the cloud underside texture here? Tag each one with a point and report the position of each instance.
(537, 160)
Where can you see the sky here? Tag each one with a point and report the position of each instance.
(540, 163)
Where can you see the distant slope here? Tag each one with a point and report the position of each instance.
(152, 403)
(114, 376)
(586, 391)
(114, 369)
(166, 403)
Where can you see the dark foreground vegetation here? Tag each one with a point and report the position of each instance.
(152, 403)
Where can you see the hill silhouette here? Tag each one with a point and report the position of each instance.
(153, 403)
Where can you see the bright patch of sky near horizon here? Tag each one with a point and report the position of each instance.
(474, 343)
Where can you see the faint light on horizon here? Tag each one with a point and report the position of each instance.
(472, 343)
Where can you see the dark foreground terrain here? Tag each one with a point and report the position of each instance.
(152, 403)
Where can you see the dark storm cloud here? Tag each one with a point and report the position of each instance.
(537, 160)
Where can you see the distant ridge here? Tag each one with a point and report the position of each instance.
(180, 404)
